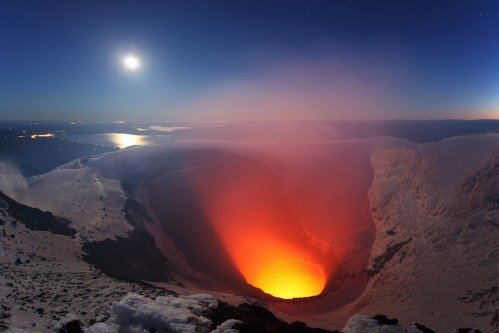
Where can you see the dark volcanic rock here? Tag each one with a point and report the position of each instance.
(133, 259)
(423, 328)
(384, 320)
(36, 219)
(256, 319)
(380, 261)
(74, 326)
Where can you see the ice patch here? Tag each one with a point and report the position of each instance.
(364, 324)
(182, 314)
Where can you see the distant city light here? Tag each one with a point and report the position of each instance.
(42, 135)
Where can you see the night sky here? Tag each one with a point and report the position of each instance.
(249, 60)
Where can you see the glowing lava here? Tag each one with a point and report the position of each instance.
(291, 278)
(252, 220)
(277, 267)
(284, 272)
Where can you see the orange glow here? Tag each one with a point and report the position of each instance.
(267, 262)
(288, 215)
(270, 249)
(286, 274)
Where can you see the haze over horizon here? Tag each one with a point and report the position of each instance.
(249, 61)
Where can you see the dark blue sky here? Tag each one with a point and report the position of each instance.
(244, 60)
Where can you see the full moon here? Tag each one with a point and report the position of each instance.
(131, 62)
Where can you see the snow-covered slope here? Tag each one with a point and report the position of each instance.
(434, 256)
(43, 278)
(93, 203)
(45, 286)
(436, 211)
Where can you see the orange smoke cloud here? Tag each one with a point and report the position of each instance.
(290, 217)
(259, 233)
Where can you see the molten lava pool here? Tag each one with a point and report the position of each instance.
(283, 272)
(270, 262)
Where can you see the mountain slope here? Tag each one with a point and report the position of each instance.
(435, 256)
(42, 275)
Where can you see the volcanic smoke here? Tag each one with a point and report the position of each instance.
(257, 228)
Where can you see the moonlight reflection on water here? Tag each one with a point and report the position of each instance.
(123, 140)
